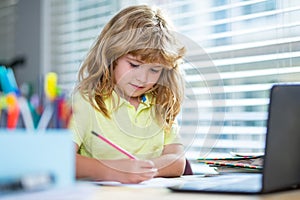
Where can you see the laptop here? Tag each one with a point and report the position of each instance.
(281, 167)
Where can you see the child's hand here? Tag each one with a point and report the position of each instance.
(130, 171)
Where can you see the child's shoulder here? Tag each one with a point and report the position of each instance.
(79, 99)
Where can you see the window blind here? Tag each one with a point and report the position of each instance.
(237, 49)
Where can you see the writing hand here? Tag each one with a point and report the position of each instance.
(129, 170)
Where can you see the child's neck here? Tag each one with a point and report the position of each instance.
(135, 101)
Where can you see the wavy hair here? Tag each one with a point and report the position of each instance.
(140, 31)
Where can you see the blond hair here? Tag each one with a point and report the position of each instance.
(140, 31)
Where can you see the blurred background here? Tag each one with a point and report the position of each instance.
(239, 49)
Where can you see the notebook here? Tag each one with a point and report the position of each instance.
(281, 167)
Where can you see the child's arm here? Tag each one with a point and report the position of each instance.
(122, 170)
(172, 161)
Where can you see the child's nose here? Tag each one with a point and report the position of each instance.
(141, 75)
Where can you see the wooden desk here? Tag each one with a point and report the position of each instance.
(119, 193)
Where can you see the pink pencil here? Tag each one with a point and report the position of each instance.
(120, 149)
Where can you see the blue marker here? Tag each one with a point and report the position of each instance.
(12, 80)
(143, 98)
(5, 82)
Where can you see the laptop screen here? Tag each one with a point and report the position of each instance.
(282, 160)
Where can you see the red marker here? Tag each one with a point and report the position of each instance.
(13, 111)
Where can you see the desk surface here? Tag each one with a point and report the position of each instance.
(83, 191)
(113, 192)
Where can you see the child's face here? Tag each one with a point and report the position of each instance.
(134, 77)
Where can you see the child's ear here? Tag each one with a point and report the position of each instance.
(113, 64)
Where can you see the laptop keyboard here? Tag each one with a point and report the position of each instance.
(226, 183)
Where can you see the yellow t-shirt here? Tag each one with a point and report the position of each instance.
(134, 130)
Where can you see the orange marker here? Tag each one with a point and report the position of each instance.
(13, 111)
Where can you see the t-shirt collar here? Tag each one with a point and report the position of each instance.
(146, 99)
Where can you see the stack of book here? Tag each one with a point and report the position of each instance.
(236, 163)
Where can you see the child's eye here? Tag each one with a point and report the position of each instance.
(155, 70)
(133, 65)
